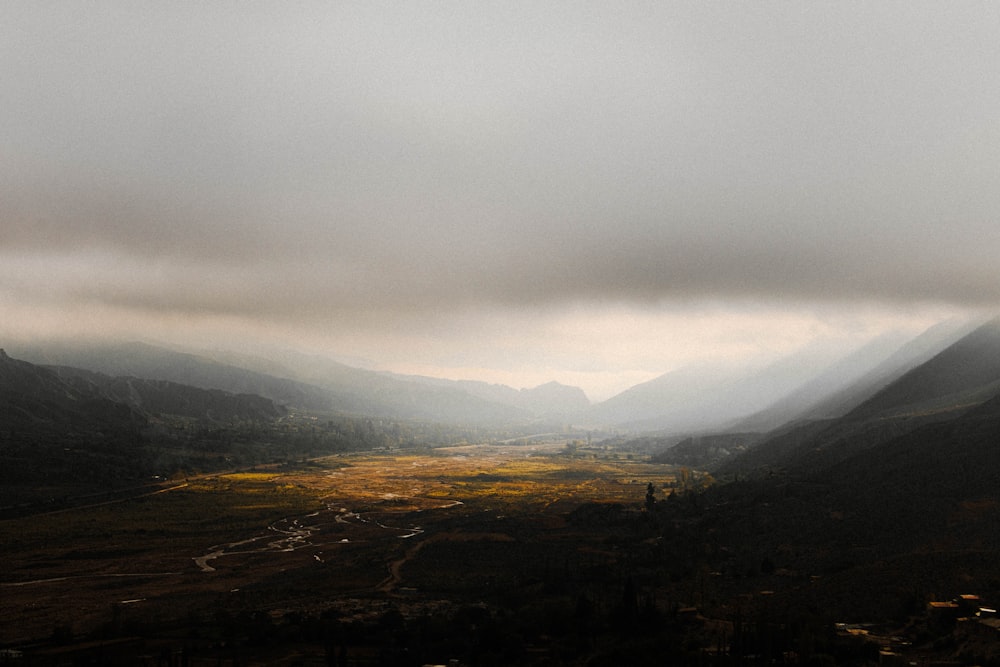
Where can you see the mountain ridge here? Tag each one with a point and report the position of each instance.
(955, 381)
(315, 383)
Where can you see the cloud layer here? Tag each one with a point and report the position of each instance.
(398, 162)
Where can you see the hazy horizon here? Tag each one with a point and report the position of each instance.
(589, 193)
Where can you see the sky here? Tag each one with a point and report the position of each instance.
(589, 192)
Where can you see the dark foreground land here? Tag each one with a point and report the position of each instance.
(354, 559)
(488, 555)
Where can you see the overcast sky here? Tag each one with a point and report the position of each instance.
(595, 193)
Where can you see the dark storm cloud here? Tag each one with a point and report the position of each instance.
(295, 160)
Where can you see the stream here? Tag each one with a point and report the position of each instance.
(291, 534)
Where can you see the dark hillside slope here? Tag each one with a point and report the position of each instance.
(914, 353)
(965, 373)
(878, 533)
(776, 450)
(943, 476)
(934, 488)
(857, 377)
(962, 376)
(56, 435)
(155, 363)
(162, 397)
(39, 406)
(809, 446)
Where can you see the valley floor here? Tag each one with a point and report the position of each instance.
(541, 554)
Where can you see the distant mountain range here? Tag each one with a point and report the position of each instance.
(321, 385)
(810, 385)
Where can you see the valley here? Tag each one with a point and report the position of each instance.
(146, 521)
(348, 534)
(550, 552)
(566, 334)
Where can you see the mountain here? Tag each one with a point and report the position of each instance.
(70, 404)
(812, 384)
(931, 469)
(155, 397)
(868, 515)
(70, 435)
(959, 378)
(40, 406)
(965, 373)
(845, 381)
(915, 352)
(395, 393)
(934, 485)
(707, 398)
(678, 400)
(551, 400)
(308, 382)
(55, 436)
(367, 392)
(140, 360)
(870, 537)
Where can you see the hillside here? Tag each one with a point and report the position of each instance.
(914, 353)
(707, 398)
(140, 360)
(57, 438)
(869, 515)
(932, 477)
(930, 488)
(313, 383)
(551, 400)
(871, 536)
(415, 395)
(155, 397)
(680, 400)
(965, 373)
(39, 406)
(71, 432)
(962, 376)
(855, 378)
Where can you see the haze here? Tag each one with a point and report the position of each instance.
(594, 193)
